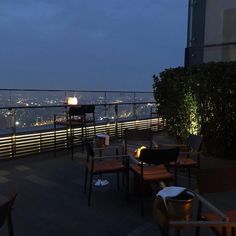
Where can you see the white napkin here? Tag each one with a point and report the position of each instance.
(169, 192)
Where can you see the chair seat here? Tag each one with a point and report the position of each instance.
(153, 173)
(214, 217)
(106, 166)
(184, 161)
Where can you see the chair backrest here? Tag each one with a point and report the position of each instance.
(216, 180)
(88, 109)
(194, 142)
(136, 136)
(159, 156)
(75, 111)
(6, 208)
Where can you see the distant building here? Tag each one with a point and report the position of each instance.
(211, 31)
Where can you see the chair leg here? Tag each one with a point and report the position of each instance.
(142, 197)
(123, 179)
(82, 137)
(199, 210)
(118, 180)
(55, 140)
(72, 144)
(10, 225)
(94, 125)
(90, 188)
(189, 176)
(177, 232)
(232, 231)
(127, 184)
(85, 180)
(163, 232)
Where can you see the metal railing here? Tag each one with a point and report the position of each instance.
(27, 128)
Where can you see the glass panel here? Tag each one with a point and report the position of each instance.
(85, 97)
(36, 117)
(144, 97)
(5, 98)
(120, 97)
(125, 112)
(6, 121)
(37, 98)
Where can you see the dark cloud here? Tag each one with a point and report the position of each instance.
(89, 44)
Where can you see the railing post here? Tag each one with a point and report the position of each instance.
(13, 137)
(134, 106)
(105, 103)
(40, 142)
(116, 120)
(10, 98)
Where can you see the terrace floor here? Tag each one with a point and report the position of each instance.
(51, 200)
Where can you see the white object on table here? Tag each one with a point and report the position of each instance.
(105, 137)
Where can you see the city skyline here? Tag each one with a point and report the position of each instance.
(106, 45)
(37, 108)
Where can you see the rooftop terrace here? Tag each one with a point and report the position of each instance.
(51, 199)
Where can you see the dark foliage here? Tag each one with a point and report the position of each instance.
(200, 99)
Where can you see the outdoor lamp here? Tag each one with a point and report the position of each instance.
(72, 100)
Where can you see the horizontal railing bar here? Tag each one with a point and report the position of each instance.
(75, 90)
(65, 105)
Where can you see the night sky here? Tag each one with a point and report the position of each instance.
(89, 44)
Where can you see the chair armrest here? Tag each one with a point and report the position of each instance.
(202, 223)
(223, 223)
(170, 145)
(133, 159)
(189, 153)
(210, 206)
(107, 148)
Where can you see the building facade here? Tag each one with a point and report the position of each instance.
(211, 31)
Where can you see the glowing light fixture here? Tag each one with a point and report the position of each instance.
(137, 152)
(72, 100)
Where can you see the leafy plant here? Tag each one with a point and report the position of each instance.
(200, 99)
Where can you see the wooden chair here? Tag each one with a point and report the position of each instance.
(77, 117)
(5, 213)
(191, 157)
(153, 167)
(135, 138)
(220, 180)
(98, 165)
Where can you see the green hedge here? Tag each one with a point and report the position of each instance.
(200, 99)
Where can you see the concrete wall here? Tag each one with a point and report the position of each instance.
(220, 28)
(211, 31)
